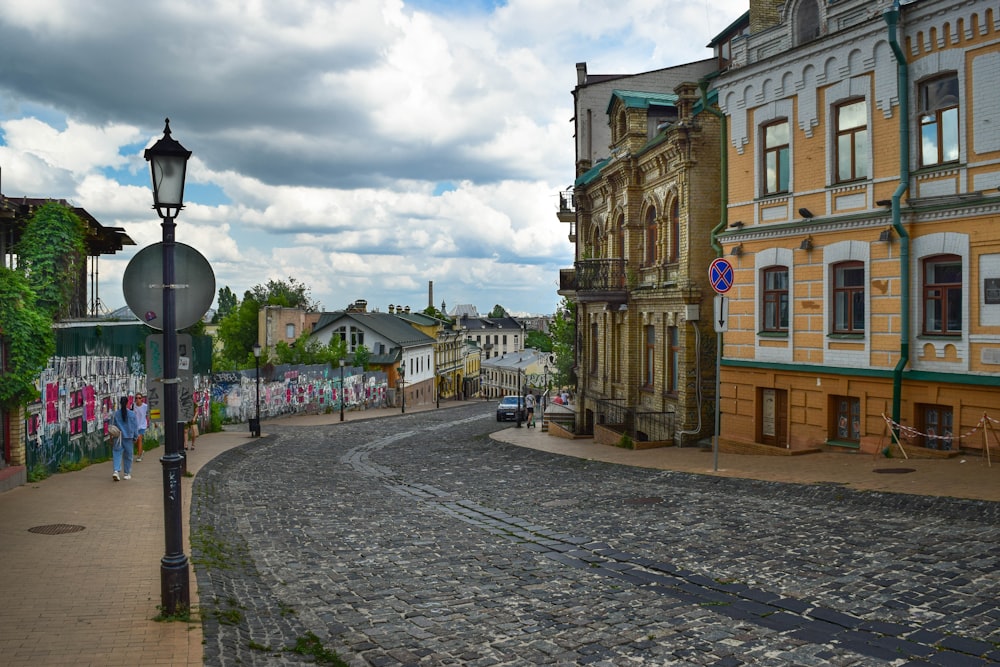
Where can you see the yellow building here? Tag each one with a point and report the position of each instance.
(863, 148)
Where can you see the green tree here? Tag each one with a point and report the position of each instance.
(291, 294)
(52, 255)
(237, 333)
(26, 331)
(362, 355)
(563, 330)
(227, 302)
(498, 311)
(538, 340)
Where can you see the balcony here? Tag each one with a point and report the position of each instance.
(595, 280)
(567, 212)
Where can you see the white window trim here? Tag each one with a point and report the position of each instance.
(944, 243)
(772, 353)
(835, 253)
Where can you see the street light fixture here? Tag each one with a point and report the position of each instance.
(255, 429)
(402, 384)
(341, 390)
(168, 166)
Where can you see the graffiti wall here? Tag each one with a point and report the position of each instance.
(296, 389)
(70, 420)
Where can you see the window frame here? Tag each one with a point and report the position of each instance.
(674, 251)
(651, 234)
(649, 357)
(777, 296)
(947, 291)
(940, 116)
(781, 186)
(845, 418)
(673, 360)
(850, 293)
(858, 164)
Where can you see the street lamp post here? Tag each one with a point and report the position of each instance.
(402, 385)
(255, 431)
(520, 398)
(341, 390)
(168, 165)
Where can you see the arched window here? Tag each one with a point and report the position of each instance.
(806, 22)
(650, 258)
(675, 231)
(620, 238)
(943, 295)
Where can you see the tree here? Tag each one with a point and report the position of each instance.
(52, 255)
(498, 311)
(563, 330)
(227, 301)
(539, 341)
(361, 357)
(26, 332)
(291, 294)
(237, 333)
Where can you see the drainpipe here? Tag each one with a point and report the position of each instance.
(891, 17)
(723, 161)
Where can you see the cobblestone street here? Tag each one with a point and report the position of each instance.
(418, 540)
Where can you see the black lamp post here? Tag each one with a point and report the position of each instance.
(168, 165)
(341, 390)
(402, 384)
(520, 398)
(255, 431)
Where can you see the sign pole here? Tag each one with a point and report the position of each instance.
(721, 276)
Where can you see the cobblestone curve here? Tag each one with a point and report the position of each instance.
(422, 542)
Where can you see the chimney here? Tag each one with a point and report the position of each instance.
(392, 309)
(430, 294)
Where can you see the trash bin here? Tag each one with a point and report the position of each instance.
(254, 427)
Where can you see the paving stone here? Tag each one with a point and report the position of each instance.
(418, 540)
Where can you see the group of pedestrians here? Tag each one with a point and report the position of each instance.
(131, 424)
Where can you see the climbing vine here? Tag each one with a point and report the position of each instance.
(52, 254)
(26, 332)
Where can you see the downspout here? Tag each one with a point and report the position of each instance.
(723, 221)
(891, 17)
(723, 161)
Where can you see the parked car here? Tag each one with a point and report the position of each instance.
(510, 408)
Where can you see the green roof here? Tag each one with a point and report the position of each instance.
(634, 99)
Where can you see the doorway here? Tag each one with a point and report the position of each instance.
(772, 416)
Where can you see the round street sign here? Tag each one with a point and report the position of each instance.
(720, 274)
(143, 285)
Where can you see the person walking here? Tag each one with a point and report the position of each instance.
(142, 416)
(529, 406)
(127, 424)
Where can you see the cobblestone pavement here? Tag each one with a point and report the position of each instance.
(418, 540)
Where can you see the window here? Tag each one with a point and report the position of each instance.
(943, 295)
(807, 22)
(290, 331)
(849, 297)
(357, 339)
(650, 237)
(939, 120)
(620, 238)
(593, 348)
(775, 296)
(847, 418)
(852, 141)
(675, 231)
(935, 422)
(649, 362)
(776, 158)
(673, 359)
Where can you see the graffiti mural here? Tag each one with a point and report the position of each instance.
(69, 421)
(297, 389)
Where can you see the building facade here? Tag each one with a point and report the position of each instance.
(863, 149)
(640, 219)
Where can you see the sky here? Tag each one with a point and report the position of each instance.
(364, 148)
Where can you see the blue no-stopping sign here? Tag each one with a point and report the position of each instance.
(720, 274)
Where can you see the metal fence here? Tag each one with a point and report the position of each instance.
(640, 426)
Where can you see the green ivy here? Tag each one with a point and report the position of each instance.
(27, 332)
(52, 255)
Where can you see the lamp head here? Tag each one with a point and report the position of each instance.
(256, 350)
(168, 165)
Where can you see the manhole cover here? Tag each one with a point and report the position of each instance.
(56, 529)
(894, 471)
(644, 501)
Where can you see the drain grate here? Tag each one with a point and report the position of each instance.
(56, 529)
(653, 500)
(894, 471)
